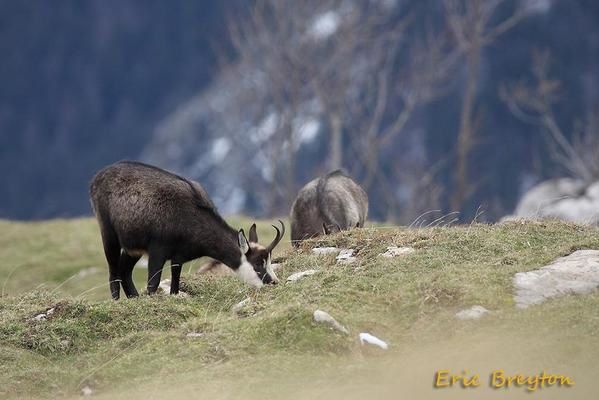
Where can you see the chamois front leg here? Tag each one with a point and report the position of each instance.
(156, 260)
(112, 251)
(126, 264)
(176, 266)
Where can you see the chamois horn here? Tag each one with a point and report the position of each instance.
(278, 237)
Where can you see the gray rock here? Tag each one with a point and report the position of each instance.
(346, 256)
(474, 312)
(566, 199)
(39, 317)
(236, 309)
(324, 317)
(577, 273)
(299, 275)
(276, 266)
(165, 285)
(394, 251)
(43, 316)
(165, 288)
(325, 250)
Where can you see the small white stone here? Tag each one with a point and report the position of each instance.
(194, 334)
(325, 250)
(394, 251)
(346, 256)
(276, 266)
(165, 285)
(43, 316)
(239, 306)
(345, 253)
(86, 391)
(474, 312)
(324, 317)
(371, 339)
(299, 275)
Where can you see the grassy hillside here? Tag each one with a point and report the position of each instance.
(139, 348)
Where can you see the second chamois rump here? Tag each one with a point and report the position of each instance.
(329, 204)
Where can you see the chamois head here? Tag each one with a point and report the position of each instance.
(259, 256)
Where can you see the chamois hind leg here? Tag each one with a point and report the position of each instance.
(112, 250)
(126, 264)
(176, 266)
(156, 260)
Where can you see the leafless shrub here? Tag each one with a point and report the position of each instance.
(534, 103)
(351, 66)
(472, 27)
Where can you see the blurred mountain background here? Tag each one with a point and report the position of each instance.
(431, 105)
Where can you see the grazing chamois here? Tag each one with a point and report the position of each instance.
(328, 204)
(142, 209)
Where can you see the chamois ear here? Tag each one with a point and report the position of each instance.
(243, 242)
(253, 234)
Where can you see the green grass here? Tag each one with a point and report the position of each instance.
(138, 348)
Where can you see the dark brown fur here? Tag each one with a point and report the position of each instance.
(144, 209)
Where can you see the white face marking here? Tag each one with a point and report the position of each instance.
(247, 274)
(270, 271)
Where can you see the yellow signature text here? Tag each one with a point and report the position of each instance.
(532, 382)
(498, 379)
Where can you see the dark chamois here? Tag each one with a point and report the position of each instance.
(143, 209)
(328, 204)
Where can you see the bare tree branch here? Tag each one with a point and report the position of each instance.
(469, 23)
(534, 103)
